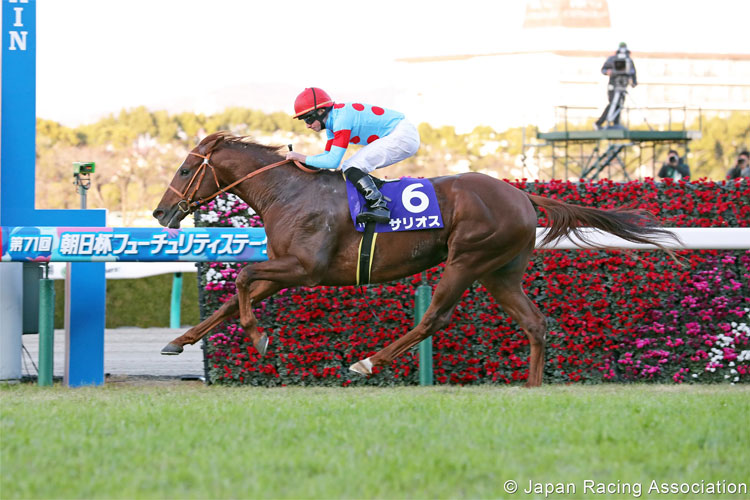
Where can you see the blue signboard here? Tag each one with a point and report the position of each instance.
(106, 244)
(85, 294)
(17, 155)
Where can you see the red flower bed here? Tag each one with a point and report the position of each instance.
(613, 316)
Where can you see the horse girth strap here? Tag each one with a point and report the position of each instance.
(201, 172)
(366, 253)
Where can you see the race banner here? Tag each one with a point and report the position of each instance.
(122, 244)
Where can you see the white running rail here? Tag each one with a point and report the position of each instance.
(693, 238)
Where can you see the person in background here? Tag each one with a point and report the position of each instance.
(674, 167)
(741, 167)
(620, 69)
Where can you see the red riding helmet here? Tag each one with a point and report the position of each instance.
(311, 99)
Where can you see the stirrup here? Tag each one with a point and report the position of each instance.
(380, 216)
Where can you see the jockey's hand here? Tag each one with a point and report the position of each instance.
(293, 155)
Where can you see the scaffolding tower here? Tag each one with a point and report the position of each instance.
(615, 153)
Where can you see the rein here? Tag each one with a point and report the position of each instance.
(187, 204)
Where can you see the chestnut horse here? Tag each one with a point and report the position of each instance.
(489, 234)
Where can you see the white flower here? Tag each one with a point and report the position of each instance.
(725, 340)
(213, 276)
(239, 221)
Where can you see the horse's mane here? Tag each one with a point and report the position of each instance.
(223, 137)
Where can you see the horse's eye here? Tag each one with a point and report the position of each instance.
(184, 172)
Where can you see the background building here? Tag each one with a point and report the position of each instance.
(555, 60)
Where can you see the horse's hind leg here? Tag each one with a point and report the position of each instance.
(505, 287)
(447, 293)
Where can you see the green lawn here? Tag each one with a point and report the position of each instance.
(185, 440)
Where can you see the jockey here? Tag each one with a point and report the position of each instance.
(386, 136)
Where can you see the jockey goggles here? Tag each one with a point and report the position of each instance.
(311, 117)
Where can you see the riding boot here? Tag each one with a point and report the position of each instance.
(376, 210)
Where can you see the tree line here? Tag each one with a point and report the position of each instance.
(138, 151)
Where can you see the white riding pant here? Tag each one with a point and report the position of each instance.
(400, 144)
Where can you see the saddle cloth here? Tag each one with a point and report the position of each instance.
(413, 205)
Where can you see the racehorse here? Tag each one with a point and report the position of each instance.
(488, 236)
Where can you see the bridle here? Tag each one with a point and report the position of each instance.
(187, 204)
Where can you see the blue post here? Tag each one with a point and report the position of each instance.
(85, 300)
(174, 311)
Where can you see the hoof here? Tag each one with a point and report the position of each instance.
(171, 349)
(364, 367)
(262, 345)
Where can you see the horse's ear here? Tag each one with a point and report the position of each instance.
(210, 143)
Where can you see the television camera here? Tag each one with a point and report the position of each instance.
(621, 76)
(622, 73)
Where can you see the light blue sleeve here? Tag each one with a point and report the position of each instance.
(330, 159)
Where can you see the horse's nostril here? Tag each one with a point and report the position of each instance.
(158, 214)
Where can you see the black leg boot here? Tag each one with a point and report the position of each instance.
(376, 210)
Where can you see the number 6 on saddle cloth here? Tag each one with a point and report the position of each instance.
(413, 207)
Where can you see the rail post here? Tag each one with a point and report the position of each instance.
(174, 311)
(421, 303)
(46, 329)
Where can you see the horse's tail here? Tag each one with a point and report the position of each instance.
(637, 226)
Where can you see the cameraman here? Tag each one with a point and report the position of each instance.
(673, 168)
(741, 168)
(620, 69)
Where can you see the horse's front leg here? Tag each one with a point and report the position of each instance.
(254, 283)
(228, 310)
(305, 263)
(249, 294)
(259, 281)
